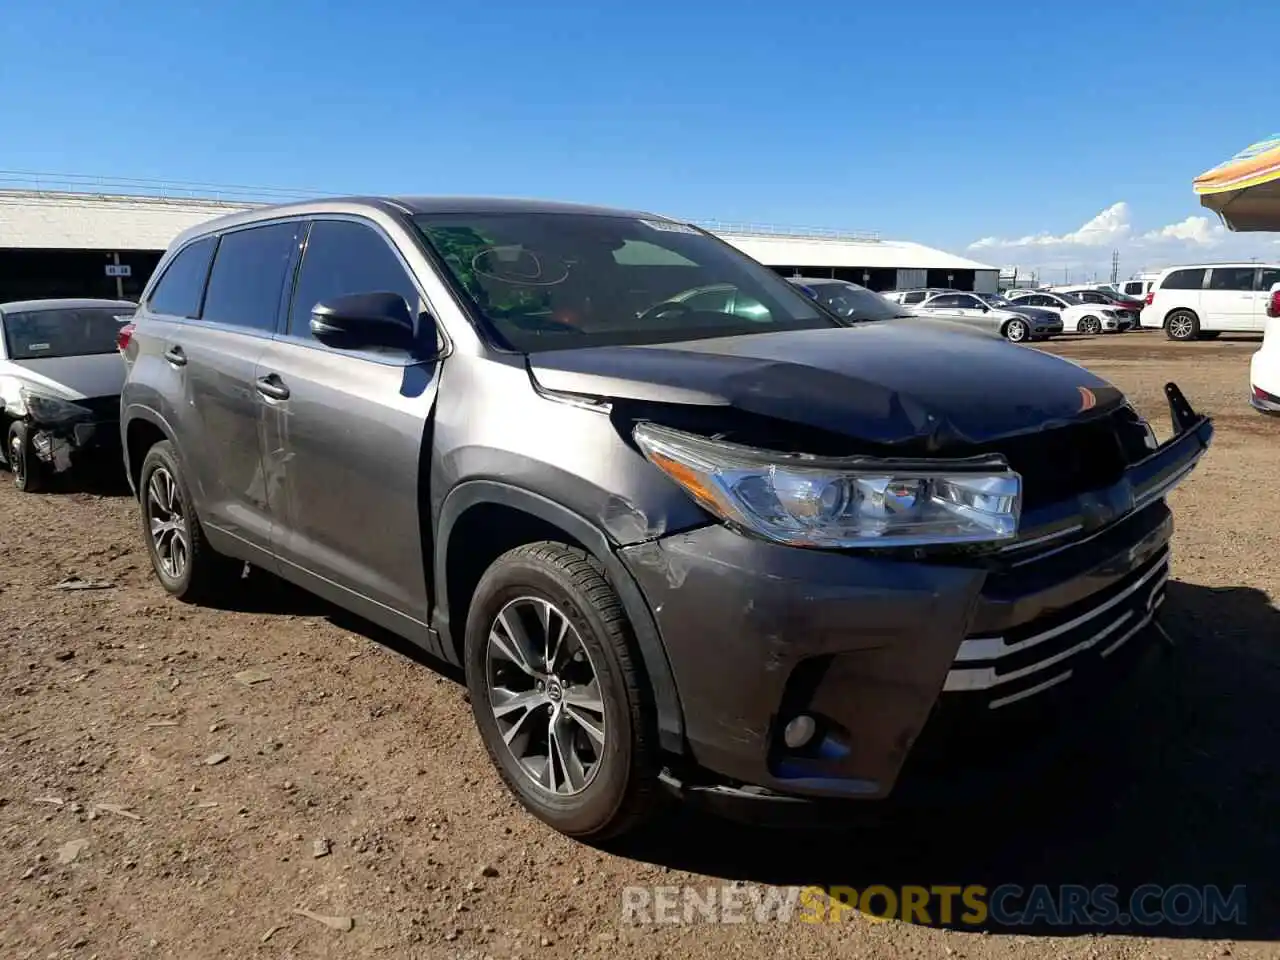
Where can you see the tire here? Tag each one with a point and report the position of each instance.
(1089, 324)
(1016, 331)
(29, 474)
(604, 786)
(163, 496)
(1182, 325)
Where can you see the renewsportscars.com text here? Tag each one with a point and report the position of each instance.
(1010, 905)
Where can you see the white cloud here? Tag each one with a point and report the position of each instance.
(1196, 231)
(1109, 227)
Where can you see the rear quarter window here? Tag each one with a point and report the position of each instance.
(1192, 279)
(180, 288)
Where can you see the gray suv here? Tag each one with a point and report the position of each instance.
(730, 548)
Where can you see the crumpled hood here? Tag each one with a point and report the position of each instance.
(891, 382)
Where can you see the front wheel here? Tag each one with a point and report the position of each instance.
(29, 473)
(558, 693)
(1017, 331)
(1089, 325)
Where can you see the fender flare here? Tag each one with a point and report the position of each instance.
(471, 493)
(130, 415)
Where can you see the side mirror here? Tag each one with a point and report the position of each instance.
(364, 320)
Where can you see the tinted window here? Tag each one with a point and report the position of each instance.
(715, 300)
(550, 281)
(1231, 278)
(1092, 296)
(343, 258)
(913, 298)
(77, 332)
(1133, 288)
(1184, 280)
(944, 300)
(1270, 277)
(852, 301)
(248, 276)
(182, 284)
(969, 303)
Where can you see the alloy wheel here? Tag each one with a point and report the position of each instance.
(1017, 331)
(168, 523)
(1180, 326)
(545, 695)
(17, 460)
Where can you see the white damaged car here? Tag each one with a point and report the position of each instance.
(60, 378)
(1264, 367)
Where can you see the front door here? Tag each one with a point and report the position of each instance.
(346, 444)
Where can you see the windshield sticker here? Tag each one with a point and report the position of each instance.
(667, 226)
(38, 346)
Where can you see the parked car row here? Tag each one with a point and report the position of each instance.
(689, 530)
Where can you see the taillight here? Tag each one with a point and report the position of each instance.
(124, 336)
(1151, 296)
(1273, 308)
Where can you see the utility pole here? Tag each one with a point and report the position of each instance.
(1115, 266)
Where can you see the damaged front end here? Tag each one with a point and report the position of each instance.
(819, 672)
(59, 430)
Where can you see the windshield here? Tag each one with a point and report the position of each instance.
(75, 332)
(852, 302)
(554, 281)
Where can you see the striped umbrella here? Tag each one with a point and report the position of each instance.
(1245, 191)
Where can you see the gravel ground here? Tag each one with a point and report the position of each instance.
(178, 782)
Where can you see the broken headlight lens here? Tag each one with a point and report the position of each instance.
(834, 507)
(43, 408)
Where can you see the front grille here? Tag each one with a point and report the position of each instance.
(1033, 657)
(1081, 457)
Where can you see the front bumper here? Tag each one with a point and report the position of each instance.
(887, 655)
(60, 445)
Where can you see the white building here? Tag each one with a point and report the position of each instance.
(91, 242)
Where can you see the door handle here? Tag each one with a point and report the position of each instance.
(175, 356)
(272, 387)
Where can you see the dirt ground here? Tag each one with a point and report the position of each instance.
(154, 803)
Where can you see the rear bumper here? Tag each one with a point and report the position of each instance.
(1264, 380)
(894, 658)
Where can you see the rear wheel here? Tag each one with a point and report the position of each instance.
(1016, 330)
(1089, 324)
(29, 473)
(185, 564)
(558, 692)
(1182, 325)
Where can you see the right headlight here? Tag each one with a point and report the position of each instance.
(806, 502)
(52, 410)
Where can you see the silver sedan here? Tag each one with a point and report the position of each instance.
(991, 313)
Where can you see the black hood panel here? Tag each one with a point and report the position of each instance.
(890, 382)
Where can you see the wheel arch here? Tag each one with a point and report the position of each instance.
(143, 429)
(498, 517)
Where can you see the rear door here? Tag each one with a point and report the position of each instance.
(1227, 302)
(215, 356)
(346, 435)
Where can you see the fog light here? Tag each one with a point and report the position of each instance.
(799, 731)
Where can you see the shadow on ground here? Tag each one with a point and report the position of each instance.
(1179, 784)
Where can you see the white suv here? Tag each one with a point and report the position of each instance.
(1264, 368)
(1193, 301)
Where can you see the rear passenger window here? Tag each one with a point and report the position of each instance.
(913, 298)
(248, 276)
(1231, 278)
(344, 257)
(180, 287)
(1184, 280)
(1270, 277)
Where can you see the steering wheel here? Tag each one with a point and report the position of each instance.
(664, 308)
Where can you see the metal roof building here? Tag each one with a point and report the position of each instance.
(78, 237)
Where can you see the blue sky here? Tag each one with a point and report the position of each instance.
(944, 123)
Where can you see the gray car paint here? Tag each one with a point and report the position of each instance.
(355, 485)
